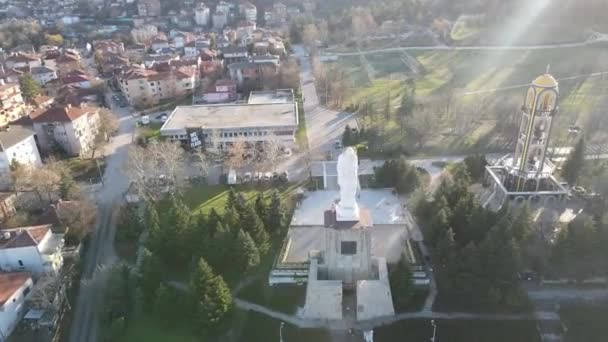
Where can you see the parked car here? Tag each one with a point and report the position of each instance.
(145, 120)
(338, 145)
(267, 176)
(284, 177)
(578, 190)
(247, 177)
(257, 176)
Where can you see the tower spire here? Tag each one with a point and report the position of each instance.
(548, 69)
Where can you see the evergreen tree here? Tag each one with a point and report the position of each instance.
(231, 220)
(522, 223)
(402, 284)
(165, 305)
(252, 224)
(246, 254)
(212, 221)
(347, 137)
(211, 295)
(438, 225)
(275, 218)
(217, 251)
(573, 166)
(260, 206)
(152, 270)
(29, 87)
(406, 108)
(231, 200)
(388, 107)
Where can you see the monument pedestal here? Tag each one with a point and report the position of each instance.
(347, 213)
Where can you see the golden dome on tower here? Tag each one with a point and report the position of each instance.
(545, 81)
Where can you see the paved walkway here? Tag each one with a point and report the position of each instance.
(588, 42)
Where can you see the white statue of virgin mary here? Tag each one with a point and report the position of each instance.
(348, 180)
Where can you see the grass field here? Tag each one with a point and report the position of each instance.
(491, 83)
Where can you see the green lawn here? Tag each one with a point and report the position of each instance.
(206, 197)
(85, 169)
(146, 329)
(484, 73)
(151, 131)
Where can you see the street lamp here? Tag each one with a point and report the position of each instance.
(281, 331)
(434, 330)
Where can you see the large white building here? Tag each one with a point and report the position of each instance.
(202, 15)
(70, 128)
(14, 289)
(17, 145)
(34, 249)
(268, 115)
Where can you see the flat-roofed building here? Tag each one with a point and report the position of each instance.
(220, 126)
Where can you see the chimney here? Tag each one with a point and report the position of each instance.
(69, 105)
(2, 82)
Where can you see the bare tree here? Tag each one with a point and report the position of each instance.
(43, 181)
(78, 218)
(49, 291)
(107, 125)
(310, 37)
(236, 157)
(272, 151)
(202, 162)
(138, 168)
(362, 22)
(420, 127)
(170, 157)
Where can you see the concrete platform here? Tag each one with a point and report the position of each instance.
(387, 242)
(374, 296)
(384, 207)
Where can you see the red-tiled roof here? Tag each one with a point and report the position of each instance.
(60, 114)
(23, 236)
(22, 57)
(10, 283)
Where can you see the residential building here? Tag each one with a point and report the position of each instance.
(223, 6)
(12, 106)
(252, 71)
(144, 87)
(201, 15)
(112, 63)
(144, 34)
(66, 62)
(14, 289)
(70, 128)
(220, 92)
(17, 146)
(42, 101)
(34, 249)
(271, 114)
(22, 60)
(159, 42)
(77, 78)
(102, 46)
(181, 39)
(149, 8)
(248, 11)
(43, 74)
(220, 19)
(233, 54)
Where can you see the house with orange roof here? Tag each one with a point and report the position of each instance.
(14, 289)
(70, 128)
(34, 249)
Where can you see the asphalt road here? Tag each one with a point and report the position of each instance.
(84, 326)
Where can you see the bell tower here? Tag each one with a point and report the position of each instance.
(540, 106)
